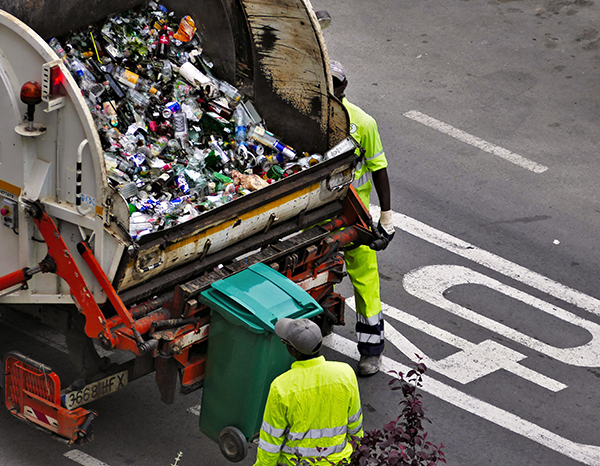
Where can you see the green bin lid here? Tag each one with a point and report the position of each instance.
(258, 297)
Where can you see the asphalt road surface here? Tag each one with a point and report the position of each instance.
(488, 113)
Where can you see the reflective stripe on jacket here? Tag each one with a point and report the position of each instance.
(311, 411)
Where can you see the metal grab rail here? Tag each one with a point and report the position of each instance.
(80, 208)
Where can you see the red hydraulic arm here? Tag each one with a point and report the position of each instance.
(66, 268)
(16, 278)
(122, 331)
(355, 225)
(117, 303)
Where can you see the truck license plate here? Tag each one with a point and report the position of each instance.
(95, 390)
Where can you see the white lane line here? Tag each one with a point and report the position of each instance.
(476, 142)
(587, 454)
(195, 410)
(471, 363)
(83, 458)
(492, 261)
(431, 283)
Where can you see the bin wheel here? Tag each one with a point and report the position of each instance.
(233, 444)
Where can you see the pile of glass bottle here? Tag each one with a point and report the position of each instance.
(177, 140)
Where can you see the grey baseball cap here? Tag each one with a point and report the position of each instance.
(337, 70)
(302, 334)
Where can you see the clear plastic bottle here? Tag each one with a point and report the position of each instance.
(259, 134)
(159, 164)
(173, 146)
(241, 131)
(181, 128)
(166, 71)
(58, 48)
(159, 146)
(80, 70)
(196, 160)
(86, 80)
(118, 176)
(133, 80)
(181, 90)
(230, 92)
(120, 166)
(219, 150)
(139, 222)
(170, 207)
(138, 99)
(192, 109)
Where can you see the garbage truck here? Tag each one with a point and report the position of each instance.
(68, 257)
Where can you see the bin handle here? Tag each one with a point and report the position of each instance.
(292, 289)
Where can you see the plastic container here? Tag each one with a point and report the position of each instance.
(244, 354)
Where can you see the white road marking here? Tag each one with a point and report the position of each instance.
(83, 458)
(195, 410)
(429, 283)
(492, 261)
(587, 454)
(473, 362)
(476, 142)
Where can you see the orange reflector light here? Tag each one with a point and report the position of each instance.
(56, 81)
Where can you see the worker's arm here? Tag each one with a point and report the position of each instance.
(382, 187)
(377, 164)
(272, 432)
(385, 226)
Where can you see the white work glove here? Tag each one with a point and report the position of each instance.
(386, 229)
(385, 224)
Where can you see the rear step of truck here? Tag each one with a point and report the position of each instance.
(32, 393)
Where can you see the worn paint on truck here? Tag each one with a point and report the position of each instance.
(273, 51)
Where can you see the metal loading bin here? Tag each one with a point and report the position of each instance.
(244, 354)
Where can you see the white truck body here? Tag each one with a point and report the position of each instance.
(44, 166)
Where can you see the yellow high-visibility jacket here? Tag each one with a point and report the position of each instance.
(311, 411)
(363, 128)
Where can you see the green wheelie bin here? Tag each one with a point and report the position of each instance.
(244, 354)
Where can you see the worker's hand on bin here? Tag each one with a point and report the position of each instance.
(386, 229)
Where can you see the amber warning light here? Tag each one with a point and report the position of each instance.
(53, 85)
(31, 95)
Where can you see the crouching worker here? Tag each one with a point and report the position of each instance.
(314, 408)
